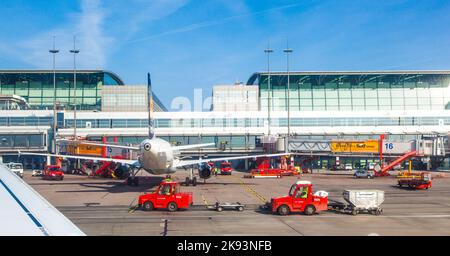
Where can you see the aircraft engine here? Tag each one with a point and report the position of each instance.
(204, 171)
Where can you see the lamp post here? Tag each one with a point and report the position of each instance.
(54, 52)
(74, 51)
(288, 51)
(268, 51)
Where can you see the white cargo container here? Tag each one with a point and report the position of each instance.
(360, 201)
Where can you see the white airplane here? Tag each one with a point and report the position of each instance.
(157, 156)
(26, 213)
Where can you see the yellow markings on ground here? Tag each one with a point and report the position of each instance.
(204, 201)
(250, 190)
(133, 208)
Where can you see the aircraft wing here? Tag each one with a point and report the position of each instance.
(192, 146)
(181, 163)
(26, 213)
(100, 144)
(122, 161)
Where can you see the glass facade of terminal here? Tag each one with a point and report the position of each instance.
(347, 91)
(37, 87)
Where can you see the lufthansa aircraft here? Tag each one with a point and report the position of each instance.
(157, 156)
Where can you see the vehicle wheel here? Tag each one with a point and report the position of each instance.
(148, 206)
(219, 209)
(187, 181)
(354, 212)
(172, 207)
(61, 178)
(310, 210)
(240, 208)
(283, 210)
(369, 177)
(194, 181)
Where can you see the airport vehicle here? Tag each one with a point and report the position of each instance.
(415, 180)
(264, 173)
(228, 206)
(167, 196)
(359, 201)
(157, 156)
(371, 166)
(24, 212)
(16, 168)
(36, 172)
(300, 199)
(348, 167)
(53, 172)
(362, 173)
(225, 168)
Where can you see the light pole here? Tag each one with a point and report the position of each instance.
(54, 52)
(74, 51)
(268, 51)
(288, 51)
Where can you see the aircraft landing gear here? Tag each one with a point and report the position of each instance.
(133, 180)
(191, 179)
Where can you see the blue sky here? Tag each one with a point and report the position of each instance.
(188, 44)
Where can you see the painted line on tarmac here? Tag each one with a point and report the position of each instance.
(133, 209)
(291, 217)
(251, 191)
(204, 201)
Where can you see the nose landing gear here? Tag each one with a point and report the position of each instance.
(191, 179)
(133, 180)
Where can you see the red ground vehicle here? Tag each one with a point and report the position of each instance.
(167, 196)
(415, 181)
(300, 199)
(53, 172)
(225, 168)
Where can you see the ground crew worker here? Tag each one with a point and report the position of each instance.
(168, 178)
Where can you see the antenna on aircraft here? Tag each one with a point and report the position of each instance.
(151, 133)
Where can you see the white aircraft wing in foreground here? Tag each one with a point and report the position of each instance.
(23, 212)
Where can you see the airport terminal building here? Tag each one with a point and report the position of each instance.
(321, 106)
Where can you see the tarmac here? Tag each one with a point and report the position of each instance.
(108, 207)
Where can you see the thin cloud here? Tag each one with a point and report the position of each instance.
(205, 24)
(91, 40)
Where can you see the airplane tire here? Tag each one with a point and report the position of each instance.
(187, 181)
(194, 181)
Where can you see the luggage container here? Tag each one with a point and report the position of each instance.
(360, 201)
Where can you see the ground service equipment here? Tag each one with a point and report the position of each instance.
(167, 196)
(225, 168)
(359, 201)
(300, 199)
(415, 180)
(53, 172)
(228, 206)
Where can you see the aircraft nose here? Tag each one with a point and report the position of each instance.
(147, 146)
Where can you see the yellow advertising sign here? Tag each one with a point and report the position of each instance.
(84, 150)
(368, 146)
